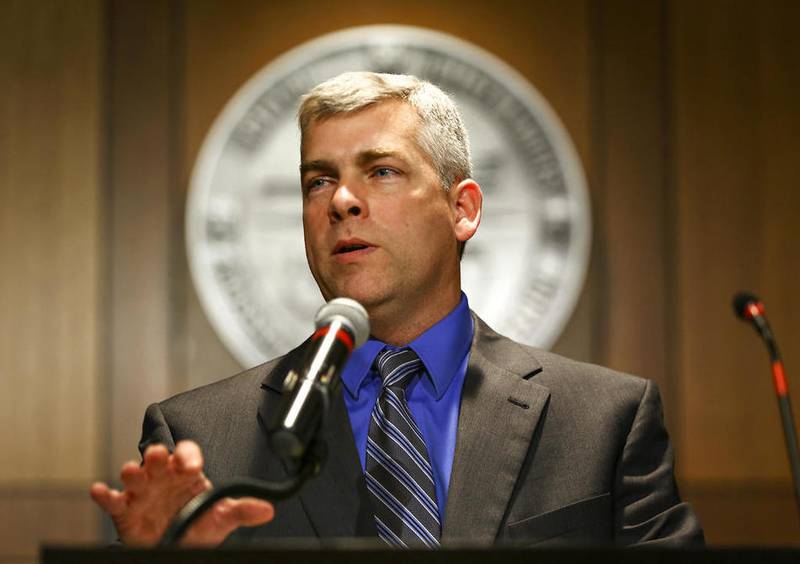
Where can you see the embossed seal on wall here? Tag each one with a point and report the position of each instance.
(523, 271)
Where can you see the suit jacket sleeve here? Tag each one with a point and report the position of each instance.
(155, 429)
(648, 509)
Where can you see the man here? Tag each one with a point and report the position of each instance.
(443, 430)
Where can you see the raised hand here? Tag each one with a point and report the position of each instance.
(158, 488)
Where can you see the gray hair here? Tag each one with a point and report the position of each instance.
(442, 135)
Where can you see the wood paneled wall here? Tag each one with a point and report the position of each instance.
(735, 119)
(52, 428)
(683, 113)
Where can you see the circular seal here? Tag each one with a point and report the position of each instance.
(523, 271)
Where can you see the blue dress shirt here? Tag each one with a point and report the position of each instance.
(434, 399)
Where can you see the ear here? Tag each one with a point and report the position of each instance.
(466, 199)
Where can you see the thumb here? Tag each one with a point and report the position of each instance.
(227, 515)
(250, 511)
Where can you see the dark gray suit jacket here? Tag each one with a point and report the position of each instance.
(548, 451)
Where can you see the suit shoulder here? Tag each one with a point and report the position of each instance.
(584, 373)
(548, 368)
(594, 391)
(572, 384)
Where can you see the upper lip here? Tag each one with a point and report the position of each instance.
(344, 244)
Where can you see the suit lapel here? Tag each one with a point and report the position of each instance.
(336, 500)
(500, 409)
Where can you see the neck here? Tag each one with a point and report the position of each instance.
(401, 324)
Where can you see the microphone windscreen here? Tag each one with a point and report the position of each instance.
(352, 314)
(740, 303)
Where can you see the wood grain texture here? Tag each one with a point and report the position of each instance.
(50, 249)
(733, 183)
(779, 92)
(138, 216)
(54, 515)
(746, 513)
(631, 209)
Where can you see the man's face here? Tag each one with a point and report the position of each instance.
(379, 227)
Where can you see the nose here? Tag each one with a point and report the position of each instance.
(346, 203)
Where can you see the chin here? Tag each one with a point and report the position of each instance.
(367, 297)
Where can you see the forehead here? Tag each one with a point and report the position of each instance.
(388, 125)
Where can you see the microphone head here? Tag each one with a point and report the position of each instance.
(746, 305)
(350, 312)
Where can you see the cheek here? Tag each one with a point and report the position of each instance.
(311, 225)
(434, 226)
(311, 246)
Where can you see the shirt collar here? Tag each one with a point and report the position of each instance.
(441, 348)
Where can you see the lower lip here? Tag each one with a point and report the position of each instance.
(352, 256)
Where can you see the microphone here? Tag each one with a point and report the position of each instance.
(749, 308)
(342, 325)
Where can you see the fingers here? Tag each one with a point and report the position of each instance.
(133, 477)
(200, 486)
(155, 461)
(113, 502)
(155, 490)
(249, 511)
(187, 458)
(244, 512)
(225, 516)
(168, 479)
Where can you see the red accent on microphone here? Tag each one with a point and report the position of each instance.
(754, 309)
(781, 385)
(341, 335)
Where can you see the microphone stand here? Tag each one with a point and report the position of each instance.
(749, 308)
(309, 466)
(787, 418)
(342, 324)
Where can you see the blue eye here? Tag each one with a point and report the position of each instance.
(316, 183)
(384, 171)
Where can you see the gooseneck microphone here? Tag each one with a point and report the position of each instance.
(749, 308)
(342, 325)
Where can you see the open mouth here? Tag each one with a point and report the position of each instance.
(349, 249)
(350, 246)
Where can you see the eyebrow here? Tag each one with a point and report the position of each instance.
(362, 159)
(318, 165)
(366, 157)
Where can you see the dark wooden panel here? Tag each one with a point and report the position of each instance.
(632, 208)
(50, 147)
(30, 517)
(747, 513)
(778, 52)
(726, 205)
(138, 215)
(716, 179)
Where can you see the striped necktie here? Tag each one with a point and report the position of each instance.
(398, 470)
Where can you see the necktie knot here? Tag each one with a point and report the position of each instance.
(397, 367)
